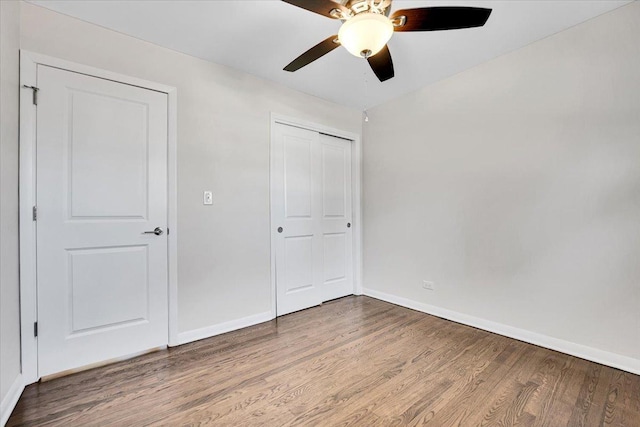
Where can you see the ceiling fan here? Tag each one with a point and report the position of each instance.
(367, 27)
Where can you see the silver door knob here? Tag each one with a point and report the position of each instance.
(279, 229)
(157, 231)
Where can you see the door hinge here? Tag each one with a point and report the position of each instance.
(34, 213)
(35, 329)
(35, 93)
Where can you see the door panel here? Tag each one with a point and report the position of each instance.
(297, 176)
(298, 262)
(101, 183)
(335, 248)
(97, 149)
(109, 286)
(334, 180)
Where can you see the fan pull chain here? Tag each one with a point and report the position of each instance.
(366, 97)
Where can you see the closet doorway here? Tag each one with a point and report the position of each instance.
(312, 217)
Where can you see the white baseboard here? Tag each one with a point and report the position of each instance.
(221, 328)
(603, 357)
(11, 399)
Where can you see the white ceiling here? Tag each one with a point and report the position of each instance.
(262, 36)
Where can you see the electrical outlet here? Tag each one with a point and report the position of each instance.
(430, 286)
(207, 198)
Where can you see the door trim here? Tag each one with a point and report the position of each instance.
(29, 62)
(356, 199)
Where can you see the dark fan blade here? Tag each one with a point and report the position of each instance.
(381, 64)
(441, 18)
(314, 53)
(322, 7)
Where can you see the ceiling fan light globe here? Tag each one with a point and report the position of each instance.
(365, 32)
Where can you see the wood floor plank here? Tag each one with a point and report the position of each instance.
(271, 359)
(622, 404)
(458, 407)
(432, 377)
(549, 375)
(328, 361)
(355, 361)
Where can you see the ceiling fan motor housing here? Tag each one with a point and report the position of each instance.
(365, 34)
(376, 6)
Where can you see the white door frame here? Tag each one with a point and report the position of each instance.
(29, 62)
(356, 192)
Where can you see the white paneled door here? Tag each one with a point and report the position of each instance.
(101, 220)
(337, 240)
(311, 196)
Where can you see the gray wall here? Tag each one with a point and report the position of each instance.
(9, 285)
(515, 186)
(223, 146)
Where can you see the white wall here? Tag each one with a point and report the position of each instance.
(9, 285)
(223, 146)
(515, 186)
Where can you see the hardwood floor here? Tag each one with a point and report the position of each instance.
(353, 361)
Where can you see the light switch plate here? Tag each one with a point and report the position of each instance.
(207, 198)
